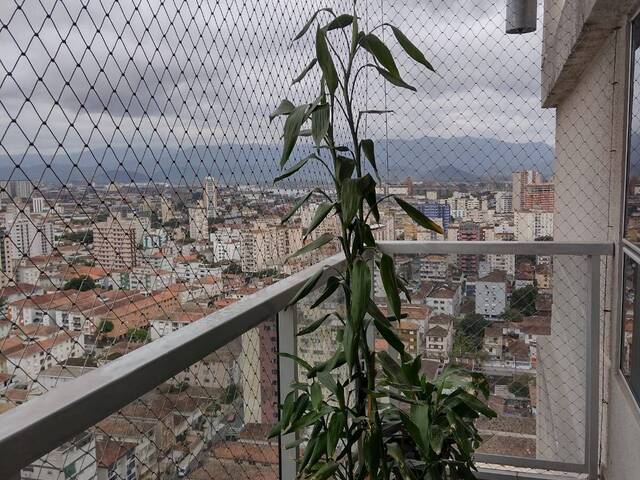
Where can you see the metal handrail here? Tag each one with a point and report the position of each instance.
(33, 429)
(38, 426)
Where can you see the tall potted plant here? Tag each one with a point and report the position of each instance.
(427, 429)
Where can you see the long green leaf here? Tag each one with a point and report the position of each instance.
(310, 22)
(360, 291)
(314, 326)
(369, 152)
(328, 381)
(392, 79)
(411, 50)
(291, 131)
(285, 108)
(297, 206)
(311, 246)
(350, 199)
(326, 471)
(320, 214)
(349, 343)
(368, 188)
(320, 123)
(341, 21)
(381, 52)
(390, 336)
(332, 285)
(334, 432)
(388, 275)
(344, 167)
(418, 217)
(307, 288)
(304, 72)
(296, 359)
(374, 112)
(295, 168)
(326, 63)
(397, 454)
(316, 395)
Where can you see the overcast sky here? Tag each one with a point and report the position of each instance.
(169, 74)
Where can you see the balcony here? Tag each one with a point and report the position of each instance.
(143, 288)
(553, 429)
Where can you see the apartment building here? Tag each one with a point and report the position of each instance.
(29, 236)
(519, 182)
(114, 244)
(74, 459)
(439, 337)
(529, 226)
(469, 231)
(198, 222)
(442, 298)
(491, 295)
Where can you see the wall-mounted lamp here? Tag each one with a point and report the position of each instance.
(521, 16)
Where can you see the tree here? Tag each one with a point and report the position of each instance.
(171, 223)
(519, 387)
(81, 283)
(511, 315)
(472, 326)
(105, 326)
(233, 268)
(84, 237)
(463, 346)
(137, 335)
(524, 299)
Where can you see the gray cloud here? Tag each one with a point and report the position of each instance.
(112, 74)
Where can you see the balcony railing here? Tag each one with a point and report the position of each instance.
(563, 371)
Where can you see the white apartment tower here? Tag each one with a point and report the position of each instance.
(114, 244)
(210, 197)
(198, 222)
(29, 236)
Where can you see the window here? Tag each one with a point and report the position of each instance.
(630, 302)
(630, 350)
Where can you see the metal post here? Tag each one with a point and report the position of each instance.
(287, 373)
(593, 366)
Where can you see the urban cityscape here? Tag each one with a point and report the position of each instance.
(90, 274)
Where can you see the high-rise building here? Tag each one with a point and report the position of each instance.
(539, 197)
(166, 210)
(469, 231)
(38, 205)
(259, 364)
(529, 226)
(6, 262)
(210, 197)
(29, 236)
(504, 202)
(198, 223)
(114, 244)
(520, 180)
(15, 189)
(266, 247)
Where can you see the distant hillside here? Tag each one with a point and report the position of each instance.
(433, 158)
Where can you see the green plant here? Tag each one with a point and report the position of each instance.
(519, 386)
(105, 326)
(137, 335)
(524, 299)
(350, 433)
(430, 431)
(81, 283)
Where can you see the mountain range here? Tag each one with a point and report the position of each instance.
(458, 159)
